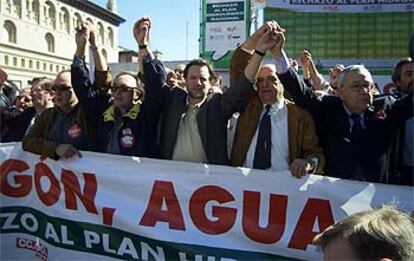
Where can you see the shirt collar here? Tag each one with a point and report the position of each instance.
(59, 110)
(197, 105)
(109, 114)
(277, 105)
(362, 114)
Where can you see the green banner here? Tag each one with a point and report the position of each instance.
(109, 241)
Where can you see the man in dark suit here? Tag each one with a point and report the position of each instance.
(403, 77)
(194, 123)
(356, 131)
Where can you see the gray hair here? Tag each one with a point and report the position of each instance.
(352, 68)
(374, 234)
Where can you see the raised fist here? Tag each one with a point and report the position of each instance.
(142, 30)
(83, 31)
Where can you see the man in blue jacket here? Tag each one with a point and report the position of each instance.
(126, 125)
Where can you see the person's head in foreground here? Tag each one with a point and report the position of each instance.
(381, 234)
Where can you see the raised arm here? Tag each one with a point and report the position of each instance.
(243, 53)
(99, 58)
(79, 72)
(93, 97)
(152, 71)
(296, 88)
(237, 97)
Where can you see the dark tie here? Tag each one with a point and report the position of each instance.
(262, 154)
(356, 128)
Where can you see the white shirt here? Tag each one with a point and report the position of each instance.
(280, 138)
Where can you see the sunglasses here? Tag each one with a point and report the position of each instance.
(24, 98)
(122, 88)
(61, 88)
(271, 79)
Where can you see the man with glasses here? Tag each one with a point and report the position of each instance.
(273, 133)
(126, 122)
(60, 132)
(356, 130)
(16, 125)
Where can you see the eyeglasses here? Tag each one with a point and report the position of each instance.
(122, 88)
(61, 88)
(24, 98)
(271, 79)
(362, 86)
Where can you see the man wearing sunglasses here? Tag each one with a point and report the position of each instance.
(126, 122)
(60, 132)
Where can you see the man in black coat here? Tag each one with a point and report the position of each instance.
(403, 77)
(356, 131)
(194, 124)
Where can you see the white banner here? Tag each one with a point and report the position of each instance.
(104, 206)
(343, 6)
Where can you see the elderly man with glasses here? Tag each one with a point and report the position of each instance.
(272, 133)
(356, 129)
(16, 124)
(126, 122)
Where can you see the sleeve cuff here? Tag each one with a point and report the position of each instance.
(79, 60)
(282, 63)
(313, 161)
(246, 50)
(148, 57)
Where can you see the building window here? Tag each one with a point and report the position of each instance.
(44, 66)
(23, 62)
(77, 20)
(9, 31)
(50, 14)
(65, 20)
(50, 42)
(57, 68)
(111, 37)
(38, 65)
(30, 64)
(6, 60)
(104, 53)
(101, 34)
(36, 11)
(14, 7)
(50, 67)
(14, 61)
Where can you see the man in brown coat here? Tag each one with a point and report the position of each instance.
(288, 140)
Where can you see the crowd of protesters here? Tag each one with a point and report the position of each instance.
(269, 118)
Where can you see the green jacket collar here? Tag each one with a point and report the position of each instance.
(109, 114)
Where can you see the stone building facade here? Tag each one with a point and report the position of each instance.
(38, 36)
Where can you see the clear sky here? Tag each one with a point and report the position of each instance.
(169, 22)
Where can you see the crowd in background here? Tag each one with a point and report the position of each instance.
(269, 118)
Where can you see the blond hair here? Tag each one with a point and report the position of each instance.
(385, 232)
